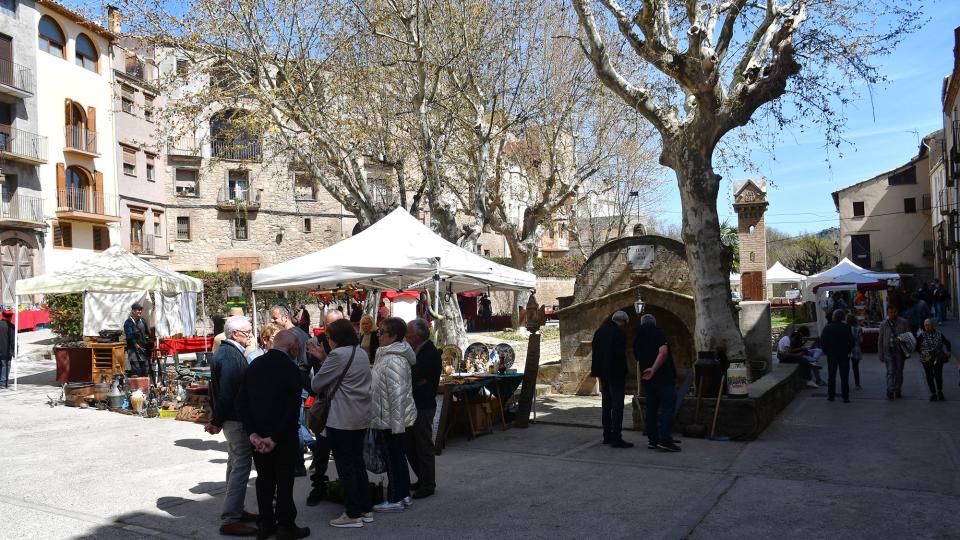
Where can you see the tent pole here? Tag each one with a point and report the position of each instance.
(14, 362)
(436, 298)
(253, 297)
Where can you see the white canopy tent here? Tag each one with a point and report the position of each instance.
(779, 273)
(111, 282)
(845, 276)
(396, 253)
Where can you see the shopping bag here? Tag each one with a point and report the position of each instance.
(375, 452)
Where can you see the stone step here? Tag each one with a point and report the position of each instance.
(544, 390)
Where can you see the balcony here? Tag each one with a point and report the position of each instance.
(146, 247)
(81, 141)
(236, 150)
(184, 147)
(87, 205)
(15, 80)
(22, 211)
(238, 200)
(23, 146)
(138, 69)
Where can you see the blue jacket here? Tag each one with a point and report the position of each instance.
(130, 330)
(226, 376)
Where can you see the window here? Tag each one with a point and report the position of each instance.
(303, 188)
(858, 209)
(240, 228)
(186, 182)
(183, 228)
(10, 6)
(136, 232)
(101, 238)
(904, 177)
(183, 67)
(150, 169)
(307, 225)
(910, 205)
(378, 190)
(238, 185)
(51, 37)
(62, 235)
(157, 229)
(87, 56)
(148, 108)
(129, 161)
(126, 99)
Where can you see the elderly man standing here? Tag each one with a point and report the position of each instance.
(609, 364)
(652, 351)
(135, 330)
(425, 375)
(270, 408)
(226, 378)
(890, 352)
(282, 317)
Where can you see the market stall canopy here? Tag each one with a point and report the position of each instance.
(843, 275)
(114, 270)
(779, 273)
(392, 254)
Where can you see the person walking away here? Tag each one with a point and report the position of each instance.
(344, 378)
(281, 316)
(934, 349)
(837, 342)
(368, 336)
(890, 351)
(269, 405)
(393, 409)
(918, 313)
(418, 439)
(609, 365)
(940, 298)
(226, 377)
(8, 336)
(135, 331)
(658, 375)
(856, 354)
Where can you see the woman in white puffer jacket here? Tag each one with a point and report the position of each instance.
(393, 408)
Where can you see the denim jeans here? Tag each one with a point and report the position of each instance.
(894, 361)
(6, 364)
(347, 447)
(239, 459)
(661, 402)
(398, 475)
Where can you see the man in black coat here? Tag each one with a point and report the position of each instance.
(609, 364)
(837, 342)
(652, 351)
(269, 405)
(8, 337)
(425, 375)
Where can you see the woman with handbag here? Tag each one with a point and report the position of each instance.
(393, 408)
(934, 349)
(343, 408)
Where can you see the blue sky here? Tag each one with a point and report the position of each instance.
(882, 137)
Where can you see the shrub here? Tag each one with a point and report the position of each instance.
(66, 316)
(561, 267)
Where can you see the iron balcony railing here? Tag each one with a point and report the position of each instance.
(248, 198)
(86, 201)
(184, 146)
(81, 139)
(23, 144)
(16, 76)
(236, 150)
(22, 208)
(145, 247)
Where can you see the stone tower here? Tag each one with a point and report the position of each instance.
(750, 204)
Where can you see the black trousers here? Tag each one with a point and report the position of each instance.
(611, 407)
(321, 459)
(843, 364)
(347, 447)
(420, 450)
(855, 364)
(275, 483)
(934, 374)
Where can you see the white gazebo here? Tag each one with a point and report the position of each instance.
(779, 273)
(845, 276)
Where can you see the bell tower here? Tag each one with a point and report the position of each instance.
(750, 204)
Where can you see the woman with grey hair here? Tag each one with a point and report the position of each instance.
(934, 349)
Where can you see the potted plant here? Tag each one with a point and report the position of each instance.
(74, 363)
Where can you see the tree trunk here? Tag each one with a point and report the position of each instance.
(452, 329)
(521, 258)
(717, 327)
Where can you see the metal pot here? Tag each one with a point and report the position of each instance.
(75, 393)
(115, 402)
(100, 391)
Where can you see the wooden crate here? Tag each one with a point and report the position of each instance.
(107, 360)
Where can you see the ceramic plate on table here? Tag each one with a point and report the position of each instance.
(452, 356)
(506, 355)
(475, 358)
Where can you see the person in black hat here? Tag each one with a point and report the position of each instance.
(138, 342)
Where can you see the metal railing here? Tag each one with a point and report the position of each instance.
(236, 150)
(145, 247)
(22, 208)
(86, 201)
(184, 146)
(81, 139)
(248, 197)
(139, 69)
(23, 143)
(16, 76)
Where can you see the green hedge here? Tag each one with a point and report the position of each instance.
(215, 286)
(560, 267)
(66, 316)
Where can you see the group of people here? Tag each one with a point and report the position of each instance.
(383, 379)
(657, 372)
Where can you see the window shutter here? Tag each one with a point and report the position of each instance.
(61, 177)
(62, 235)
(91, 119)
(68, 112)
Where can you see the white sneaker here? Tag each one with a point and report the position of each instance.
(345, 521)
(811, 384)
(367, 517)
(387, 506)
(407, 502)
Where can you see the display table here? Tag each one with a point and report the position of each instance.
(466, 389)
(29, 320)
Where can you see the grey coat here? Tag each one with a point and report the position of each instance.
(900, 326)
(350, 405)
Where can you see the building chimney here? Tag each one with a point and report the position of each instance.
(114, 17)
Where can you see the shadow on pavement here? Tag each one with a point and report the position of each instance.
(44, 378)
(202, 444)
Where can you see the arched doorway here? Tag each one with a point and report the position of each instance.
(79, 193)
(76, 126)
(16, 262)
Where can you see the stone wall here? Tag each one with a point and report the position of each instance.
(549, 291)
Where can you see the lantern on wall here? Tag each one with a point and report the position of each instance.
(638, 304)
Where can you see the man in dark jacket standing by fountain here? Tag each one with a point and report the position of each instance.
(652, 352)
(609, 364)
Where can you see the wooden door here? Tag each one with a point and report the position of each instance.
(751, 284)
(860, 249)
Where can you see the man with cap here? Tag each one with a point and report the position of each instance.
(8, 336)
(135, 330)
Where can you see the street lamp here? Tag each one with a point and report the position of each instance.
(638, 305)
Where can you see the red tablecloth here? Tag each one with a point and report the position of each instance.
(30, 319)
